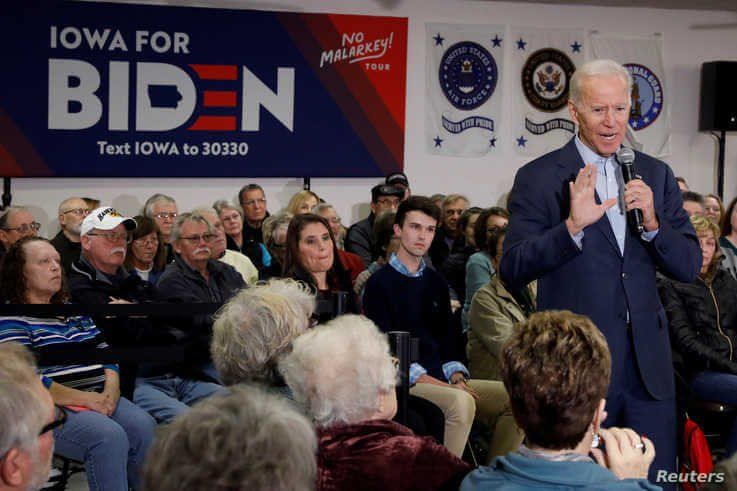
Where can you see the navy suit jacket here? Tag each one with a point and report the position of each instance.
(597, 280)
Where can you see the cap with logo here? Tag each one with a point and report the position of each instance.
(397, 179)
(105, 218)
(385, 190)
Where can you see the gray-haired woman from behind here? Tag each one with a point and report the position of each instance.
(343, 375)
(256, 327)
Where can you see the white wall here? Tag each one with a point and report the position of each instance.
(685, 48)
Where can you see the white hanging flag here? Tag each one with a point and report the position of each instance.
(463, 88)
(649, 125)
(543, 61)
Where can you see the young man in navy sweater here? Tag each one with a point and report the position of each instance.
(405, 295)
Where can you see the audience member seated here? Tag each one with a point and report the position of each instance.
(92, 203)
(454, 267)
(67, 242)
(360, 238)
(344, 377)
(387, 244)
(245, 440)
(693, 203)
(163, 210)
(479, 268)
(253, 203)
(27, 418)
(406, 295)
(713, 208)
(556, 368)
(438, 199)
(682, 184)
(493, 315)
(399, 179)
(350, 261)
(256, 328)
(728, 239)
(302, 202)
(16, 222)
(275, 238)
(108, 432)
(164, 389)
(313, 258)
(218, 251)
(703, 324)
(448, 231)
(146, 254)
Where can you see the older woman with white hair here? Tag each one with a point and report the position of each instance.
(256, 327)
(343, 375)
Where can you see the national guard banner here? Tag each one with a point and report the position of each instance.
(543, 61)
(649, 124)
(463, 88)
(103, 89)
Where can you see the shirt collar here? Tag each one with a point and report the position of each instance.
(395, 263)
(588, 155)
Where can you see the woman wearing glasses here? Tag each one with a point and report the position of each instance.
(146, 257)
(108, 432)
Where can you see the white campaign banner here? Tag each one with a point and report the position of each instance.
(542, 62)
(463, 88)
(649, 126)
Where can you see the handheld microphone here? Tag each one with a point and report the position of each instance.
(626, 158)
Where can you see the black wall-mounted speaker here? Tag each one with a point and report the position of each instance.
(718, 96)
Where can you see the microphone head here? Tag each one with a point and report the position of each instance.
(625, 155)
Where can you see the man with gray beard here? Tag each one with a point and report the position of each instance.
(68, 241)
(165, 389)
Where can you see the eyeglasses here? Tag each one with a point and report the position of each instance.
(25, 228)
(164, 215)
(195, 239)
(113, 236)
(251, 202)
(80, 212)
(60, 417)
(147, 242)
(388, 201)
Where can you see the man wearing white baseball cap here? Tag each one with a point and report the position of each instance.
(164, 389)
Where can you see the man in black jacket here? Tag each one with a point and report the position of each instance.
(163, 388)
(361, 239)
(195, 278)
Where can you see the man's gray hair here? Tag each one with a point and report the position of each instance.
(248, 439)
(320, 207)
(223, 204)
(8, 213)
(176, 230)
(256, 327)
(273, 222)
(594, 68)
(148, 208)
(339, 370)
(21, 412)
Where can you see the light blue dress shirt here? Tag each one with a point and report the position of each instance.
(609, 184)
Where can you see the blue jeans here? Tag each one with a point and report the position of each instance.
(165, 398)
(718, 387)
(113, 448)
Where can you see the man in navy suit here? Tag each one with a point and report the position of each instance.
(568, 229)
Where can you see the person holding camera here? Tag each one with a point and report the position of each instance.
(556, 369)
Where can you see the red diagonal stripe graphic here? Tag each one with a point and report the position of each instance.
(216, 72)
(213, 123)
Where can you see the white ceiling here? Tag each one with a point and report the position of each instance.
(725, 5)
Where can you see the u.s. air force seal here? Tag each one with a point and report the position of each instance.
(647, 96)
(546, 77)
(468, 75)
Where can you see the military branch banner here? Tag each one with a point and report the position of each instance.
(463, 88)
(103, 89)
(542, 63)
(649, 125)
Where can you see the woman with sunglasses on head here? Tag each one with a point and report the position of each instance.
(108, 432)
(146, 256)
